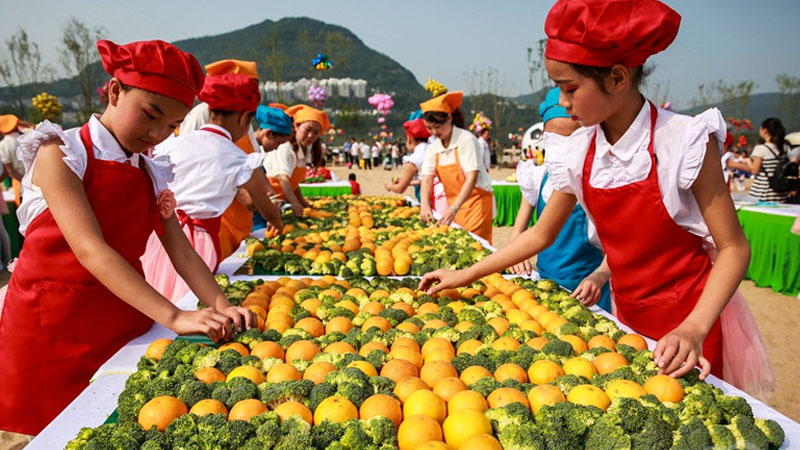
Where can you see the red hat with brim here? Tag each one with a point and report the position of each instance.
(602, 33)
(154, 66)
(231, 92)
(416, 129)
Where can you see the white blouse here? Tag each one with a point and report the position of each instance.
(283, 160)
(104, 146)
(470, 157)
(530, 177)
(680, 146)
(209, 169)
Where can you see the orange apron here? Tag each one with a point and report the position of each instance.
(237, 220)
(298, 175)
(475, 214)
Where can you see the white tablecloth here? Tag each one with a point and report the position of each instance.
(748, 203)
(327, 184)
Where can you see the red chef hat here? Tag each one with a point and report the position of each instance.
(416, 129)
(231, 92)
(602, 33)
(155, 66)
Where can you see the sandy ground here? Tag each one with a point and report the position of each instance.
(777, 315)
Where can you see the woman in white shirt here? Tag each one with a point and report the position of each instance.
(457, 160)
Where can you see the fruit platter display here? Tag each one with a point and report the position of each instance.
(355, 363)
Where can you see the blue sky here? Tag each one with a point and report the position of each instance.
(729, 39)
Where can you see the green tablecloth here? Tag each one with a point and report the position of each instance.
(324, 191)
(12, 227)
(508, 198)
(775, 251)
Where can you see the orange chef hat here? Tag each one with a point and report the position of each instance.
(226, 66)
(304, 113)
(8, 123)
(446, 103)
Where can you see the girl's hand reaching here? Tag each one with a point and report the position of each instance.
(588, 291)
(243, 318)
(523, 268)
(678, 352)
(444, 279)
(208, 321)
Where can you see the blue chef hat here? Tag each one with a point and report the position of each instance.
(274, 119)
(549, 108)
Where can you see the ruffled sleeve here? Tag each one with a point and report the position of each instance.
(72, 147)
(527, 179)
(556, 161)
(161, 171)
(695, 144)
(252, 162)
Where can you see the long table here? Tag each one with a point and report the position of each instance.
(775, 250)
(507, 197)
(93, 406)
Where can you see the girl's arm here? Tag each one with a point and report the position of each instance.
(529, 243)
(752, 166)
(681, 349)
(589, 289)
(289, 194)
(257, 186)
(470, 180)
(405, 180)
(66, 199)
(195, 273)
(299, 195)
(520, 225)
(425, 207)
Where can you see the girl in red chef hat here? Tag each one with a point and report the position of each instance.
(651, 181)
(92, 199)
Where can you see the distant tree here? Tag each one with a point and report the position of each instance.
(78, 56)
(537, 75)
(789, 87)
(735, 96)
(660, 92)
(275, 60)
(350, 119)
(487, 93)
(337, 47)
(23, 71)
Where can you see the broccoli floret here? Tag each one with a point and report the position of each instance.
(566, 382)
(348, 375)
(620, 373)
(129, 403)
(361, 318)
(700, 402)
(346, 359)
(559, 348)
(329, 338)
(127, 436)
(182, 429)
(326, 433)
(527, 436)
(241, 389)
(290, 390)
(229, 360)
(733, 406)
(394, 316)
(319, 393)
(222, 280)
(377, 358)
(174, 347)
(509, 416)
(354, 436)
(524, 355)
(747, 435)
(721, 437)
(471, 314)
(301, 364)
(606, 434)
(449, 333)
(692, 435)
(491, 309)
(79, 442)
(268, 430)
(192, 391)
(655, 406)
(772, 430)
(298, 313)
(271, 335)
(555, 425)
(167, 365)
(295, 434)
(250, 337)
(567, 329)
(367, 267)
(327, 312)
(642, 364)
(269, 362)
(381, 430)
(222, 393)
(381, 384)
(353, 392)
(632, 415)
(485, 386)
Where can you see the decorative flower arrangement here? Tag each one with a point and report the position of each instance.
(48, 105)
(480, 122)
(435, 88)
(317, 95)
(321, 62)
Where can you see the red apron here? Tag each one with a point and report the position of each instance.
(475, 214)
(59, 324)
(659, 268)
(212, 226)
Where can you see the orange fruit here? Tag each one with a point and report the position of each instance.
(580, 366)
(435, 371)
(511, 371)
(384, 265)
(364, 367)
(537, 342)
(463, 424)
(340, 324)
(408, 386)
(373, 308)
(517, 316)
(279, 326)
(666, 388)
(377, 321)
(408, 354)
(161, 411)
(434, 445)
(381, 405)
(408, 326)
(311, 305)
(427, 403)
(544, 394)
(436, 343)
(268, 349)
(601, 340)
(209, 375)
(624, 388)
(259, 310)
(544, 371)
(480, 442)
(416, 430)
(371, 346)
(449, 386)
(578, 344)
(312, 325)
(427, 308)
(317, 371)
(301, 350)
(499, 324)
(435, 324)
(405, 307)
(335, 408)
(401, 267)
(208, 406)
(589, 395)
(290, 408)
(532, 325)
(399, 369)
(463, 326)
(472, 374)
(608, 362)
(240, 348)
(251, 373)
(406, 342)
(339, 348)
(470, 346)
(634, 340)
(506, 343)
(467, 400)
(283, 372)
(505, 396)
(247, 409)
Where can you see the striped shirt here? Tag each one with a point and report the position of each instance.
(769, 164)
